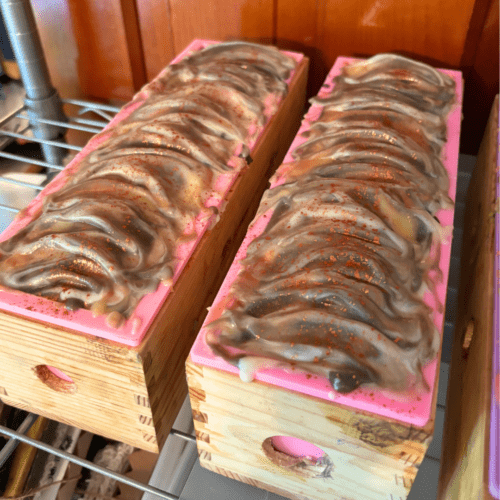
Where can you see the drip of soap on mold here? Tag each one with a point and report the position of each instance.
(250, 365)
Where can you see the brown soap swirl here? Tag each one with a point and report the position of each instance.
(109, 235)
(334, 284)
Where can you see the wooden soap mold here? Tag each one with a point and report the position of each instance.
(133, 393)
(416, 410)
(380, 455)
(466, 456)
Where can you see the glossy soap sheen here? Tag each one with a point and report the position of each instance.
(414, 409)
(133, 330)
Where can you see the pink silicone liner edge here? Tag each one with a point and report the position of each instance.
(415, 409)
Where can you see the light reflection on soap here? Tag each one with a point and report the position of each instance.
(334, 285)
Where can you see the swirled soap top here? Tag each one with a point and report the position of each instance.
(334, 285)
(109, 235)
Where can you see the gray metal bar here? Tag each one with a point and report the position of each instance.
(21, 183)
(87, 464)
(25, 159)
(9, 209)
(100, 112)
(41, 98)
(61, 124)
(86, 121)
(90, 105)
(43, 141)
(183, 435)
(13, 442)
(23, 36)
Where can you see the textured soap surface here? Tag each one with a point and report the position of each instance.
(112, 232)
(334, 285)
(435, 196)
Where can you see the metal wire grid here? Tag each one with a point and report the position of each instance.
(92, 126)
(77, 123)
(18, 436)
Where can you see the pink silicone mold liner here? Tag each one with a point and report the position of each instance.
(135, 328)
(414, 408)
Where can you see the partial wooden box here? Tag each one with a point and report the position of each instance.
(133, 393)
(470, 457)
(366, 455)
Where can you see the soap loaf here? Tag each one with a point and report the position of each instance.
(108, 236)
(334, 285)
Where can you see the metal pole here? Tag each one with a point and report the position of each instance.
(87, 464)
(42, 100)
(11, 445)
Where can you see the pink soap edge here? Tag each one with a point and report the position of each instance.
(415, 412)
(135, 328)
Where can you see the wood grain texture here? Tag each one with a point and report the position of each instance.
(103, 62)
(157, 37)
(433, 32)
(134, 46)
(464, 461)
(222, 20)
(481, 70)
(369, 457)
(134, 395)
(59, 45)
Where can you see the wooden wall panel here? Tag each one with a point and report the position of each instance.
(59, 45)
(157, 36)
(168, 26)
(104, 67)
(433, 31)
(108, 49)
(221, 20)
(297, 29)
(133, 35)
(481, 80)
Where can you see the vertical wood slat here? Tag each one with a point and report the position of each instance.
(103, 33)
(59, 45)
(123, 43)
(462, 35)
(157, 37)
(133, 36)
(221, 20)
(465, 448)
(481, 69)
(435, 31)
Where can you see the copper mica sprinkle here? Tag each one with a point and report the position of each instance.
(357, 277)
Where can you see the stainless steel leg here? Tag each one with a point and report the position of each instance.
(42, 100)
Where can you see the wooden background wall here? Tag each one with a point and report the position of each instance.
(109, 49)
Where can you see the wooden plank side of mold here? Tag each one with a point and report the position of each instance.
(174, 330)
(108, 378)
(464, 462)
(232, 420)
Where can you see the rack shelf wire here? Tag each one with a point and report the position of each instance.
(81, 123)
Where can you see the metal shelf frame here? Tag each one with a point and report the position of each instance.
(19, 436)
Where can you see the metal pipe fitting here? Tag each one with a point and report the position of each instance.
(42, 100)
